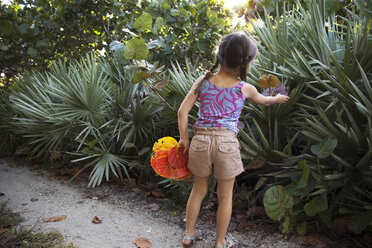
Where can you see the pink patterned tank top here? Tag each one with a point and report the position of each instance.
(219, 106)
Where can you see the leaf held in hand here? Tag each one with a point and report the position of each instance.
(177, 158)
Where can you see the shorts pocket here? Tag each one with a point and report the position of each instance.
(228, 147)
(199, 143)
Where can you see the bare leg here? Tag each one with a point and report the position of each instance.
(196, 197)
(224, 194)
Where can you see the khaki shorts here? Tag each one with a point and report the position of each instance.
(217, 146)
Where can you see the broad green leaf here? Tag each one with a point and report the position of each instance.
(42, 43)
(325, 148)
(6, 27)
(175, 12)
(154, 43)
(159, 23)
(184, 13)
(117, 46)
(165, 5)
(144, 22)
(332, 6)
(32, 51)
(360, 222)
(139, 76)
(302, 228)
(286, 224)
(325, 216)
(136, 49)
(23, 28)
(305, 174)
(4, 47)
(316, 205)
(277, 201)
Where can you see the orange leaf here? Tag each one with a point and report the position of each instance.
(142, 243)
(176, 157)
(54, 219)
(173, 167)
(96, 220)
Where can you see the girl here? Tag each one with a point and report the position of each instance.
(221, 97)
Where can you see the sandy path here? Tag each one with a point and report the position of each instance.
(122, 221)
(120, 224)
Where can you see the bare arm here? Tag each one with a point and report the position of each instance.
(252, 94)
(183, 114)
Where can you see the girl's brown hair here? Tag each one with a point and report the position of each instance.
(235, 49)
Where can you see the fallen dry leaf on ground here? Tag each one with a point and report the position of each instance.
(130, 183)
(55, 219)
(35, 167)
(34, 199)
(3, 230)
(147, 187)
(142, 243)
(83, 196)
(244, 225)
(340, 226)
(315, 240)
(153, 207)
(240, 216)
(14, 214)
(157, 193)
(96, 220)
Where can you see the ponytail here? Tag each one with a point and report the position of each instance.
(206, 76)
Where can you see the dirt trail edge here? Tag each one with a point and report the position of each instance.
(123, 219)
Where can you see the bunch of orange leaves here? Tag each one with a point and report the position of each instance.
(169, 159)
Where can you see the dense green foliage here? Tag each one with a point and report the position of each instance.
(324, 61)
(33, 34)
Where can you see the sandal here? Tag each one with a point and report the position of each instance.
(230, 242)
(193, 239)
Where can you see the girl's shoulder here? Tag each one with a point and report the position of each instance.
(248, 89)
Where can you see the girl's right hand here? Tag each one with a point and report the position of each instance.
(281, 98)
(185, 144)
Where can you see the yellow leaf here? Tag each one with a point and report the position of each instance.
(268, 80)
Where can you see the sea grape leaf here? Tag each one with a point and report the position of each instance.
(360, 222)
(139, 76)
(305, 174)
(277, 201)
(324, 148)
(136, 49)
(117, 46)
(316, 205)
(144, 22)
